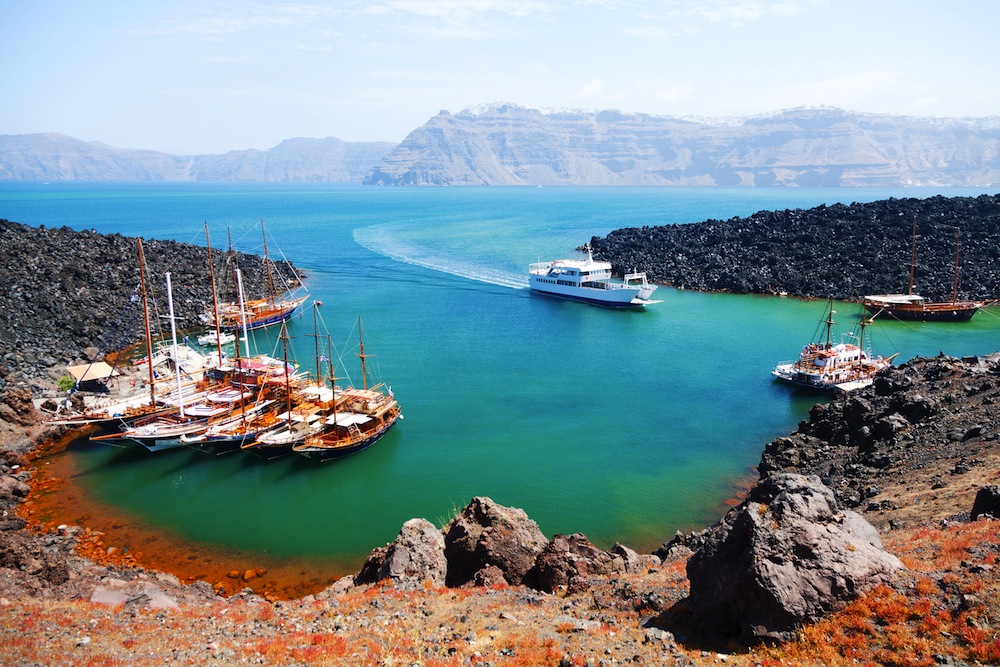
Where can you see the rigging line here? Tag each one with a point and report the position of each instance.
(986, 312)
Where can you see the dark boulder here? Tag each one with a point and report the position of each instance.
(784, 557)
(987, 503)
(485, 533)
(568, 558)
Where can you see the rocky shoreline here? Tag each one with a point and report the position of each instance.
(910, 455)
(839, 251)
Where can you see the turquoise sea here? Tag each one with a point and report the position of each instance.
(625, 426)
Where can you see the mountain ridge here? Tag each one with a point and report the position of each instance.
(56, 157)
(508, 144)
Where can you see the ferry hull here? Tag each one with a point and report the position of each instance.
(599, 298)
(219, 446)
(268, 452)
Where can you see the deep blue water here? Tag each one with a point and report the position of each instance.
(623, 425)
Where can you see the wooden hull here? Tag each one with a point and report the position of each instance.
(329, 446)
(219, 446)
(259, 315)
(267, 452)
(927, 312)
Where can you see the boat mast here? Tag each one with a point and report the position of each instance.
(215, 298)
(243, 313)
(829, 326)
(913, 254)
(267, 265)
(288, 383)
(173, 336)
(315, 335)
(861, 340)
(149, 336)
(362, 356)
(958, 250)
(333, 379)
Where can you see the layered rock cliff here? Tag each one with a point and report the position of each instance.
(504, 144)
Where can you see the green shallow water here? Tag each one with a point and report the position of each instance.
(625, 426)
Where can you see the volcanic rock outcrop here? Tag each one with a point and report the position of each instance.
(489, 544)
(65, 291)
(486, 534)
(786, 556)
(840, 251)
(417, 554)
(883, 448)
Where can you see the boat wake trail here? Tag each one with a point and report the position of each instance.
(382, 240)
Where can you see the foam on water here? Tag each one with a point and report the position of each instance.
(387, 240)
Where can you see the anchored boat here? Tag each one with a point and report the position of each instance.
(914, 307)
(829, 366)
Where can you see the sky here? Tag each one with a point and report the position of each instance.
(204, 77)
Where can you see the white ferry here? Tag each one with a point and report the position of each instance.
(591, 282)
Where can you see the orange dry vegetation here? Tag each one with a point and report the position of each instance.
(946, 604)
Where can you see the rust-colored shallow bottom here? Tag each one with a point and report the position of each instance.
(112, 537)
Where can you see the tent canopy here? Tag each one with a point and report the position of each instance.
(98, 370)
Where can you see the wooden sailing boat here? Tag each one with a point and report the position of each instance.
(359, 419)
(913, 307)
(194, 412)
(260, 312)
(264, 377)
(303, 415)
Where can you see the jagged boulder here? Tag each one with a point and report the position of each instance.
(16, 406)
(570, 557)
(417, 554)
(987, 503)
(12, 488)
(784, 557)
(484, 534)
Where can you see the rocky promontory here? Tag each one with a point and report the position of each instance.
(844, 251)
(70, 295)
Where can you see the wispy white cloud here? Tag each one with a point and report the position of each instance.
(848, 90)
(463, 9)
(218, 24)
(739, 12)
(591, 89)
(456, 19)
(674, 93)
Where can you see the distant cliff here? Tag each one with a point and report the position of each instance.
(54, 157)
(505, 144)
